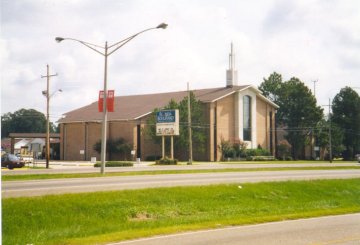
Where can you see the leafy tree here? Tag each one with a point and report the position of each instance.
(199, 133)
(54, 128)
(346, 115)
(24, 121)
(321, 134)
(271, 88)
(5, 125)
(150, 130)
(298, 111)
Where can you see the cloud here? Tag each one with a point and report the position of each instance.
(308, 39)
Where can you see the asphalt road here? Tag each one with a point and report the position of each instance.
(86, 167)
(59, 186)
(342, 229)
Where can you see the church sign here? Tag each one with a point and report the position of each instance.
(167, 123)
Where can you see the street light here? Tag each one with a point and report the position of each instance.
(107, 51)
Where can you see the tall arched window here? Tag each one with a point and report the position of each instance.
(247, 118)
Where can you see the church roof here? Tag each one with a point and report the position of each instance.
(134, 107)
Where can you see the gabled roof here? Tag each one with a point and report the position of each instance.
(136, 106)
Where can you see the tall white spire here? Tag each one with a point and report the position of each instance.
(231, 73)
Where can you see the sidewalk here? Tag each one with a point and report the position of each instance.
(75, 164)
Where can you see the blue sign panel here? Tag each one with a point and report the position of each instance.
(165, 116)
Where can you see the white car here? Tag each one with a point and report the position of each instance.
(27, 159)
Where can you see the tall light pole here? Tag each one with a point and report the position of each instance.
(107, 51)
(48, 96)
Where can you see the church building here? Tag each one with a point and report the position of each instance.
(232, 113)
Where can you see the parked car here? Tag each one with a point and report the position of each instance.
(11, 161)
(358, 157)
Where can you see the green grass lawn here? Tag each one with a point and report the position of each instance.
(97, 218)
(285, 162)
(269, 162)
(154, 172)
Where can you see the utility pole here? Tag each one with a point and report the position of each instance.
(47, 94)
(189, 127)
(330, 143)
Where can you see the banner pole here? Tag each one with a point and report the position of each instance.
(172, 147)
(163, 147)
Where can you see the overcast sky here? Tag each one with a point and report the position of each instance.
(310, 40)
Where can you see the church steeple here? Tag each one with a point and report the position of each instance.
(231, 73)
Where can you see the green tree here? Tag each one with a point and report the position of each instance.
(298, 111)
(181, 142)
(150, 129)
(54, 128)
(346, 115)
(24, 121)
(198, 128)
(321, 134)
(271, 89)
(5, 125)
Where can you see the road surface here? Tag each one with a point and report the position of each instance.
(342, 229)
(86, 167)
(59, 186)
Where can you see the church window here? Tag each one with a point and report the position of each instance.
(247, 118)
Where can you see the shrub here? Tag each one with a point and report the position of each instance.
(114, 146)
(152, 158)
(260, 158)
(115, 164)
(166, 161)
(257, 152)
(240, 148)
(226, 149)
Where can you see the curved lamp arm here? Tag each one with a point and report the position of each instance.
(89, 45)
(120, 43)
(126, 40)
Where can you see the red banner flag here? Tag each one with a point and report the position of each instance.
(101, 101)
(110, 100)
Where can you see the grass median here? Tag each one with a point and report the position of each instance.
(102, 217)
(155, 172)
(287, 162)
